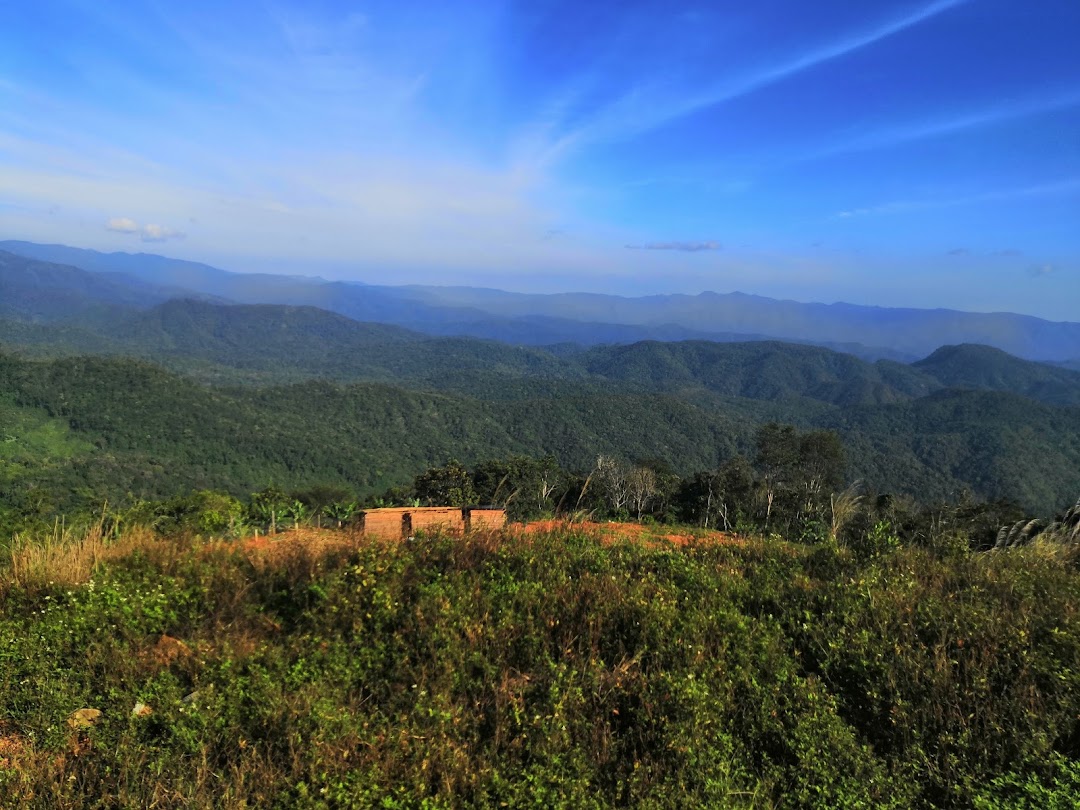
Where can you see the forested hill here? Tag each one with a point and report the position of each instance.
(43, 291)
(988, 369)
(136, 393)
(278, 344)
(78, 430)
(766, 370)
(83, 429)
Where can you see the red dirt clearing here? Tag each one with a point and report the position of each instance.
(324, 541)
(613, 532)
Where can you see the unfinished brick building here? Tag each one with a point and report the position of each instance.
(403, 521)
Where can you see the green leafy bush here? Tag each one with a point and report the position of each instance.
(549, 671)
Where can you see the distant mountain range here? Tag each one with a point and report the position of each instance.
(301, 393)
(270, 344)
(587, 319)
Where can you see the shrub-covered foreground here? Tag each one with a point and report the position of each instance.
(546, 671)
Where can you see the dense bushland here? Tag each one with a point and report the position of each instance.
(75, 432)
(545, 670)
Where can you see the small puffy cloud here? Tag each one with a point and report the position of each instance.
(685, 247)
(159, 233)
(1039, 270)
(148, 233)
(958, 251)
(122, 225)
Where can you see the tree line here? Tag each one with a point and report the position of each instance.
(792, 485)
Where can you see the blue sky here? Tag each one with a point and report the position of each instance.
(900, 152)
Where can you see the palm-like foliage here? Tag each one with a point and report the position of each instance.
(297, 512)
(341, 512)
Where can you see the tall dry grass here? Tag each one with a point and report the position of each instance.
(68, 555)
(844, 506)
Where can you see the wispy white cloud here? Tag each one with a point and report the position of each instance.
(922, 130)
(684, 247)
(1069, 186)
(651, 105)
(310, 142)
(381, 211)
(1039, 270)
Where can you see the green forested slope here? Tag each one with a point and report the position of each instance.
(762, 370)
(138, 431)
(989, 369)
(998, 444)
(80, 430)
(43, 291)
(268, 345)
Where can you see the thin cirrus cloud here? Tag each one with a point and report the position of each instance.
(1002, 253)
(924, 130)
(541, 144)
(1069, 186)
(648, 106)
(683, 247)
(148, 233)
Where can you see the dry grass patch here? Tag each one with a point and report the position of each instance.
(68, 557)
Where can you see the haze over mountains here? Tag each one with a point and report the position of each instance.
(588, 319)
(318, 395)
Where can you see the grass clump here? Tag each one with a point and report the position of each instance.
(548, 670)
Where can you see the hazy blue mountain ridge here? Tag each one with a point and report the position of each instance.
(911, 331)
(595, 318)
(44, 291)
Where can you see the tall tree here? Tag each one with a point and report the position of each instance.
(821, 463)
(717, 497)
(446, 486)
(613, 479)
(776, 461)
(644, 486)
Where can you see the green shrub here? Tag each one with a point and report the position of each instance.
(548, 671)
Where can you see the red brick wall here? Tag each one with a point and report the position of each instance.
(481, 519)
(432, 518)
(387, 523)
(384, 523)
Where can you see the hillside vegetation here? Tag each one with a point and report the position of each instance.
(850, 584)
(125, 430)
(544, 670)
